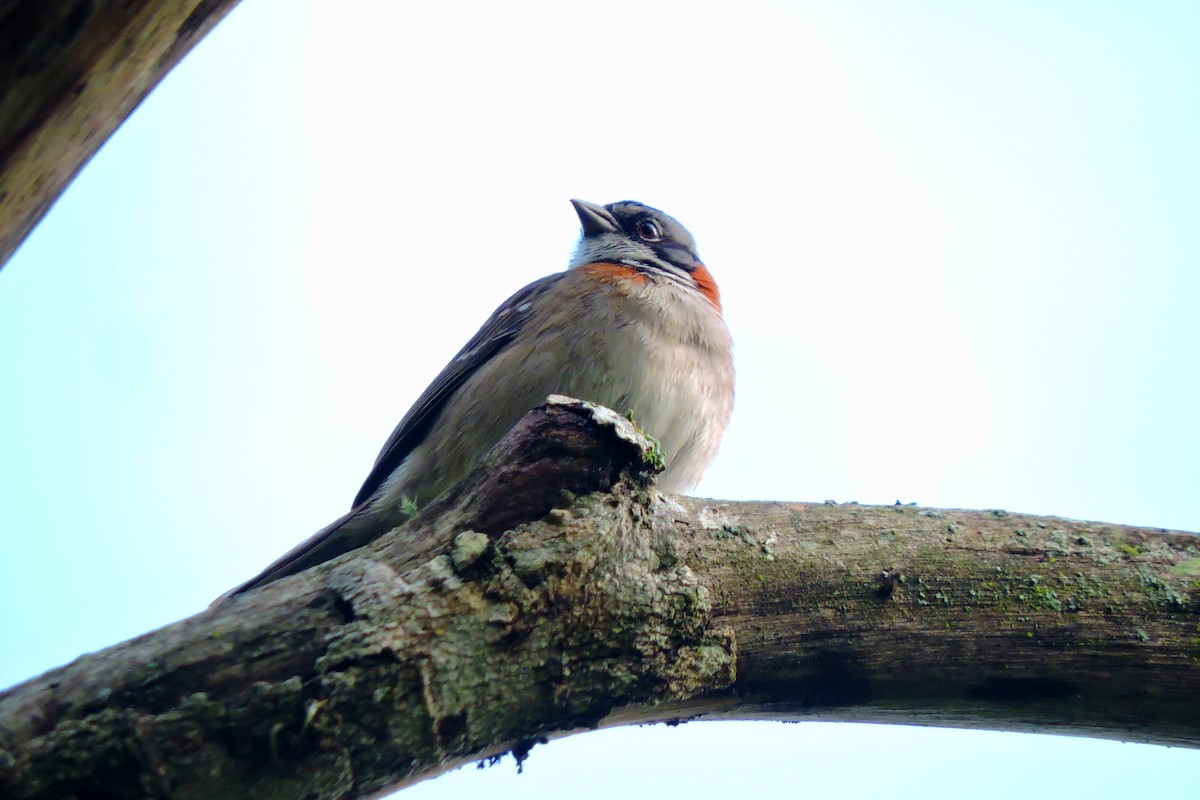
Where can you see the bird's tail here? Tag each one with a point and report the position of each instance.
(348, 532)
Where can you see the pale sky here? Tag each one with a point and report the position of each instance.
(957, 245)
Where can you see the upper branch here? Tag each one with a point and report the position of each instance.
(70, 73)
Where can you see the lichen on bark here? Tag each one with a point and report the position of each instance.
(550, 628)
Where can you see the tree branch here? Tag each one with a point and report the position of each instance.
(70, 73)
(514, 610)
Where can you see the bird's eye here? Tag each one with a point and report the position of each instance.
(649, 231)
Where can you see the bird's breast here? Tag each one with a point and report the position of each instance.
(609, 336)
(662, 352)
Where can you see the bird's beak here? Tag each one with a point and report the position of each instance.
(594, 219)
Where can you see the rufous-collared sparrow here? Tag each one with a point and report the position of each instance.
(634, 323)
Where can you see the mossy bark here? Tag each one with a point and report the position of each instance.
(71, 71)
(963, 618)
(457, 637)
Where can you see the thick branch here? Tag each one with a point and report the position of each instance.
(959, 618)
(70, 73)
(513, 611)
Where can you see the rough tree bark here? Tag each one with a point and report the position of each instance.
(556, 590)
(71, 72)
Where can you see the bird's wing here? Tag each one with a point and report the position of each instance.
(347, 533)
(499, 330)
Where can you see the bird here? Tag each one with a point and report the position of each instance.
(634, 323)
